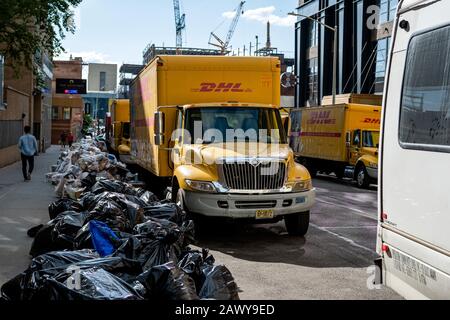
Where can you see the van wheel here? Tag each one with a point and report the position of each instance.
(362, 177)
(297, 224)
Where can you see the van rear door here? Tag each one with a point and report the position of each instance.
(415, 176)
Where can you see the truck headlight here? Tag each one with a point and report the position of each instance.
(203, 186)
(299, 186)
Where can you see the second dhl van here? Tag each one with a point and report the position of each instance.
(211, 128)
(341, 139)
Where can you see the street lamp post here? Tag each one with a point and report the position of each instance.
(335, 30)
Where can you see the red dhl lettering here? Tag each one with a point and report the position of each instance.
(321, 117)
(220, 87)
(372, 120)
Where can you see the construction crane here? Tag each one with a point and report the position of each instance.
(180, 23)
(223, 45)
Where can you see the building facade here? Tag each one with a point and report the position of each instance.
(25, 99)
(96, 104)
(67, 109)
(363, 39)
(102, 77)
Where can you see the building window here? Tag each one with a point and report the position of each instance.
(388, 9)
(55, 113)
(102, 81)
(312, 34)
(66, 114)
(380, 67)
(2, 79)
(312, 93)
(425, 106)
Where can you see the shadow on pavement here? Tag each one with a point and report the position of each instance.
(345, 182)
(271, 244)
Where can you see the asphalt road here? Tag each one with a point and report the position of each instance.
(333, 261)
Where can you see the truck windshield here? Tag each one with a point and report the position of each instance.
(234, 124)
(371, 139)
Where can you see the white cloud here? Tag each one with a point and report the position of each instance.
(263, 15)
(88, 56)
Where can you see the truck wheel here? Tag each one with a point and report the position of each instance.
(362, 177)
(297, 224)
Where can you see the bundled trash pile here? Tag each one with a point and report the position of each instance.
(108, 240)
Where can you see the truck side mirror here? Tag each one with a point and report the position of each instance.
(348, 139)
(160, 121)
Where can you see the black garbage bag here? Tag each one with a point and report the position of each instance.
(59, 233)
(163, 230)
(61, 258)
(113, 186)
(63, 205)
(32, 232)
(132, 207)
(192, 262)
(60, 276)
(43, 241)
(83, 239)
(109, 212)
(166, 210)
(88, 201)
(23, 285)
(146, 251)
(90, 284)
(147, 197)
(89, 181)
(218, 284)
(67, 226)
(168, 282)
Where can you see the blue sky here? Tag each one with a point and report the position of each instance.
(117, 31)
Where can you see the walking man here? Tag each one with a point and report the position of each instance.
(63, 138)
(28, 149)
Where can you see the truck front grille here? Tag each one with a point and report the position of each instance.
(256, 204)
(254, 175)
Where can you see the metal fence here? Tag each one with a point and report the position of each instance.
(10, 132)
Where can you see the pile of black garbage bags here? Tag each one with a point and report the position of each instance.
(118, 242)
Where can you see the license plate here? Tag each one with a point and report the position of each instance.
(264, 214)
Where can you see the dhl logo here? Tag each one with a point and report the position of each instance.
(322, 117)
(220, 87)
(372, 121)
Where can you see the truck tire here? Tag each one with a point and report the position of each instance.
(297, 224)
(362, 177)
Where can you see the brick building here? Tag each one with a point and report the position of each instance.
(25, 99)
(67, 109)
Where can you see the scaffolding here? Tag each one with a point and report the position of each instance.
(151, 51)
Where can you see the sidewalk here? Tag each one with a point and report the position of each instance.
(22, 205)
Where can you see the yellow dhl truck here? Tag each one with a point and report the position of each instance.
(341, 138)
(212, 127)
(118, 128)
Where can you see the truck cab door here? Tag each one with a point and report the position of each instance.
(177, 143)
(355, 147)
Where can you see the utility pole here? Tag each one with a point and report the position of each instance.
(257, 44)
(245, 50)
(250, 49)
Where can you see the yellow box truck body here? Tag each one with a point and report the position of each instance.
(182, 110)
(339, 138)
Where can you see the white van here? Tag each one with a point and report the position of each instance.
(414, 193)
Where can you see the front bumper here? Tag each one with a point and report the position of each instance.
(245, 206)
(372, 172)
